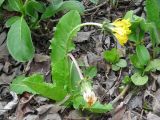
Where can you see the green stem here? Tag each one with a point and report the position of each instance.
(77, 66)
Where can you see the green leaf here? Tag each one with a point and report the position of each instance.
(11, 20)
(154, 34)
(100, 108)
(61, 44)
(57, 6)
(19, 41)
(15, 5)
(30, 10)
(135, 61)
(138, 80)
(46, 89)
(142, 54)
(153, 65)
(1, 2)
(153, 12)
(115, 67)
(121, 63)
(51, 10)
(72, 5)
(111, 56)
(126, 80)
(37, 6)
(90, 72)
(138, 27)
(19, 87)
(78, 102)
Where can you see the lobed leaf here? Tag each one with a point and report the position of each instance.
(19, 87)
(61, 44)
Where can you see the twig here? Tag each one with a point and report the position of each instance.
(76, 65)
(98, 6)
(120, 95)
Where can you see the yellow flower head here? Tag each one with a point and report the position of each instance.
(121, 30)
(89, 96)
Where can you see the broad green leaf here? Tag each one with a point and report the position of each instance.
(154, 34)
(72, 5)
(52, 9)
(1, 2)
(135, 61)
(111, 56)
(30, 10)
(15, 5)
(11, 20)
(115, 67)
(153, 16)
(153, 12)
(142, 54)
(61, 44)
(121, 63)
(153, 65)
(57, 6)
(90, 72)
(38, 6)
(139, 80)
(19, 87)
(19, 41)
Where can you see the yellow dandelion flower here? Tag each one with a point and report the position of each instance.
(121, 30)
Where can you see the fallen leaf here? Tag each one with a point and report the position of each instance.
(156, 102)
(75, 115)
(50, 108)
(41, 58)
(83, 36)
(151, 116)
(135, 102)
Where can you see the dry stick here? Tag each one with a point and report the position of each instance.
(98, 6)
(120, 95)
